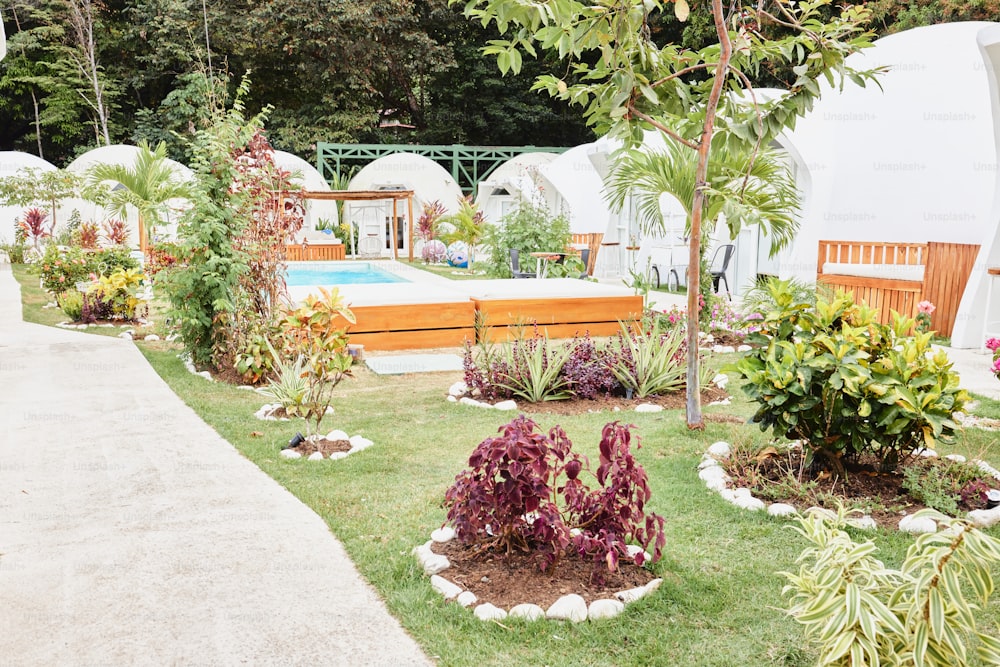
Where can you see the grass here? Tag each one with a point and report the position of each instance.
(720, 603)
(448, 271)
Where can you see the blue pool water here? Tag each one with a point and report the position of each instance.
(339, 273)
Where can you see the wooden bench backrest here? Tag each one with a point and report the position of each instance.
(871, 252)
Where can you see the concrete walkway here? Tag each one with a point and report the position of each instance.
(132, 534)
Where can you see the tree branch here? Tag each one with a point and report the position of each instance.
(661, 127)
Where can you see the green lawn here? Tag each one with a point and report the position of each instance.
(720, 603)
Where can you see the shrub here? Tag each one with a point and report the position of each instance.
(832, 376)
(33, 225)
(71, 303)
(523, 492)
(86, 235)
(115, 232)
(529, 228)
(856, 611)
(586, 371)
(531, 368)
(649, 362)
(62, 270)
(115, 296)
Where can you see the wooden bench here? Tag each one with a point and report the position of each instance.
(897, 276)
(315, 252)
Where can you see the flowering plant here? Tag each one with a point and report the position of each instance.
(924, 310)
(993, 345)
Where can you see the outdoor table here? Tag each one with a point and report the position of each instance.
(543, 258)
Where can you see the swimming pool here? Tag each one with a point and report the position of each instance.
(339, 273)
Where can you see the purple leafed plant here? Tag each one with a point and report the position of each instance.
(588, 372)
(523, 492)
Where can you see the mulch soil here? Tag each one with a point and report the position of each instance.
(506, 581)
(320, 444)
(880, 494)
(577, 406)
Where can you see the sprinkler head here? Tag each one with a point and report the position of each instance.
(295, 442)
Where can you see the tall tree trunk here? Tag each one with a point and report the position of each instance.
(34, 98)
(694, 417)
(82, 20)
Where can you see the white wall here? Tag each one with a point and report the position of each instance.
(11, 162)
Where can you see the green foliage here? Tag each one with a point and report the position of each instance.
(533, 369)
(833, 377)
(650, 362)
(118, 292)
(61, 270)
(38, 187)
(857, 611)
(316, 333)
(71, 303)
(15, 251)
(146, 186)
(203, 292)
(530, 227)
(467, 224)
(291, 387)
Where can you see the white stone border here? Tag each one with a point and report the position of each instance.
(358, 443)
(459, 393)
(570, 607)
(711, 472)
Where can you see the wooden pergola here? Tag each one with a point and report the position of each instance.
(372, 195)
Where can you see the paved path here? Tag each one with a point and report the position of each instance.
(132, 534)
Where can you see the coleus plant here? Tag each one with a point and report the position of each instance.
(524, 491)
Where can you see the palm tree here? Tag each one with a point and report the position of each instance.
(146, 186)
(741, 188)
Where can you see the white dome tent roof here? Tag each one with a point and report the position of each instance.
(305, 175)
(428, 180)
(12, 162)
(514, 180)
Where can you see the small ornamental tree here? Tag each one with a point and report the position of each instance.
(614, 65)
(524, 492)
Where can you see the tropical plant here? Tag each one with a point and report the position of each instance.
(648, 363)
(291, 386)
(523, 492)
(626, 78)
(87, 234)
(532, 369)
(115, 232)
(316, 332)
(468, 225)
(33, 225)
(428, 220)
(71, 303)
(61, 270)
(833, 377)
(117, 293)
(147, 186)
(857, 611)
(924, 311)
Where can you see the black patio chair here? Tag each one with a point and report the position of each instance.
(720, 266)
(515, 265)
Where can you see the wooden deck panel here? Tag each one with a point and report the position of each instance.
(558, 318)
(414, 340)
(582, 310)
(949, 266)
(413, 317)
(321, 252)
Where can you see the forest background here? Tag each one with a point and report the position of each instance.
(84, 73)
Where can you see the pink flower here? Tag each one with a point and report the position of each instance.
(62, 279)
(926, 307)
(992, 344)
(996, 366)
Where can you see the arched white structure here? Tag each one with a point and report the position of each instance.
(913, 162)
(12, 162)
(306, 176)
(125, 156)
(513, 181)
(429, 182)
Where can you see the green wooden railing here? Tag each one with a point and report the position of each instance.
(468, 165)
